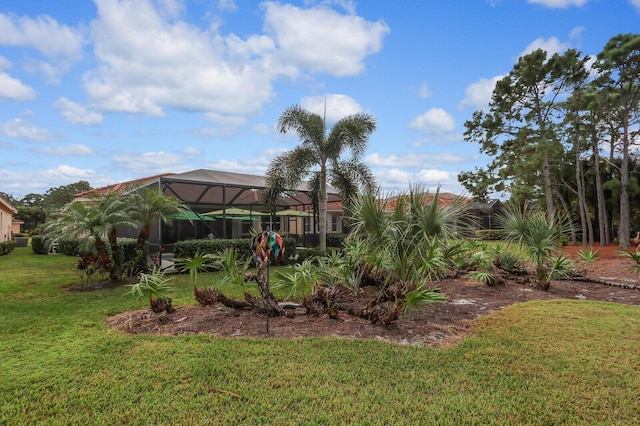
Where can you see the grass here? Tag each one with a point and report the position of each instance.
(552, 362)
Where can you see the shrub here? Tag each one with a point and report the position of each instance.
(71, 247)
(309, 253)
(336, 240)
(6, 247)
(93, 267)
(489, 234)
(192, 248)
(39, 244)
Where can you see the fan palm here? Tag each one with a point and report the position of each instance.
(320, 158)
(411, 233)
(540, 236)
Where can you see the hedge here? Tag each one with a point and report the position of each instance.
(39, 244)
(6, 247)
(490, 234)
(188, 249)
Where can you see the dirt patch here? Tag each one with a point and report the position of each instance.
(441, 325)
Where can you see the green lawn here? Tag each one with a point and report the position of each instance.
(558, 362)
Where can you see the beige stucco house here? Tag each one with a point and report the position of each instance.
(6, 216)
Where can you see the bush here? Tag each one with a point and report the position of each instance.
(39, 244)
(490, 234)
(336, 240)
(309, 253)
(191, 248)
(6, 247)
(71, 247)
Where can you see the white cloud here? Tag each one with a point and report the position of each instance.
(400, 180)
(149, 163)
(39, 181)
(13, 89)
(192, 152)
(434, 176)
(255, 165)
(434, 121)
(21, 129)
(551, 45)
(413, 159)
(478, 95)
(60, 44)
(424, 92)
(4, 63)
(345, 39)
(76, 113)
(636, 4)
(227, 5)
(148, 63)
(44, 34)
(75, 149)
(559, 4)
(337, 106)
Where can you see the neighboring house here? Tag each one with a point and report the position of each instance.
(483, 213)
(486, 213)
(6, 217)
(211, 195)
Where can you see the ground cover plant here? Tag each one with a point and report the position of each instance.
(539, 362)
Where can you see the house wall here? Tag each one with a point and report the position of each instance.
(6, 216)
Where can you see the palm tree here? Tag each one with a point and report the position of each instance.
(98, 219)
(149, 205)
(320, 158)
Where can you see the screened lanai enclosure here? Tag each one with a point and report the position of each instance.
(228, 205)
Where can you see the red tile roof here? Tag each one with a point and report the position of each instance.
(122, 187)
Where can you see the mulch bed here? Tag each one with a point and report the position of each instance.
(442, 324)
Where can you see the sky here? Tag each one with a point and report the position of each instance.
(107, 91)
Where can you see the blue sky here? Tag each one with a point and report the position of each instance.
(112, 90)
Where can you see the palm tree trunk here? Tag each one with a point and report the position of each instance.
(322, 207)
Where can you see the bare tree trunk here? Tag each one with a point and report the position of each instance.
(581, 196)
(605, 238)
(547, 185)
(623, 229)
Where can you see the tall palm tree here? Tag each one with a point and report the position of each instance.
(320, 158)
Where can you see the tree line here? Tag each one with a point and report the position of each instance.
(561, 130)
(33, 209)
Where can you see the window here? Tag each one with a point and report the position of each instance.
(334, 223)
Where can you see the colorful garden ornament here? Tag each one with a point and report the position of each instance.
(267, 248)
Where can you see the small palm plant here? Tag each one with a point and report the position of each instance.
(633, 255)
(154, 286)
(298, 283)
(420, 297)
(231, 263)
(540, 237)
(194, 265)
